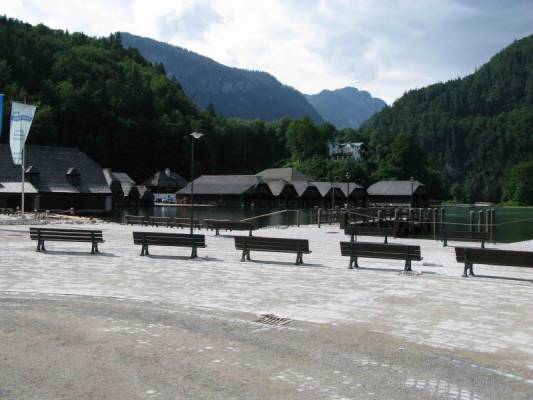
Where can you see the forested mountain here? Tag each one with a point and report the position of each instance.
(475, 129)
(120, 109)
(233, 92)
(345, 108)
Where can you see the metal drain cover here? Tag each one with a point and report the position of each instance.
(271, 319)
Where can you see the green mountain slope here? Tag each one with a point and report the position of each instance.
(475, 128)
(233, 92)
(119, 108)
(346, 107)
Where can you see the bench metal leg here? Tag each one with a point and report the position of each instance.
(386, 240)
(482, 244)
(144, 250)
(468, 267)
(217, 233)
(245, 255)
(39, 244)
(299, 259)
(194, 252)
(445, 242)
(407, 265)
(353, 263)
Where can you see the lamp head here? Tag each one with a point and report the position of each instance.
(196, 135)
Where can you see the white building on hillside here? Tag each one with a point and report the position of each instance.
(339, 151)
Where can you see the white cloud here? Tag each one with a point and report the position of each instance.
(386, 47)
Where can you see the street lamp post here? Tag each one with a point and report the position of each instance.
(194, 135)
(412, 190)
(348, 176)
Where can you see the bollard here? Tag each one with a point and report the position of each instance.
(434, 221)
(396, 222)
(494, 225)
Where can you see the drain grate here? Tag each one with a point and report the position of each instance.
(271, 319)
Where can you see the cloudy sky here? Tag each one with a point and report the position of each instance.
(383, 46)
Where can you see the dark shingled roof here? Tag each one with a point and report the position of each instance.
(52, 164)
(122, 179)
(222, 185)
(166, 178)
(287, 174)
(394, 188)
(343, 186)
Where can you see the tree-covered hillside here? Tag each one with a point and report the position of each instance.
(475, 129)
(120, 109)
(233, 92)
(347, 107)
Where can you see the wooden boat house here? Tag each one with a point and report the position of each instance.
(56, 178)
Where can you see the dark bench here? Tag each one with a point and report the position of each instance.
(135, 220)
(509, 258)
(159, 221)
(146, 239)
(184, 222)
(355, 231)
(278, 245)
(378, 250)
(43, 235)
(229, 226)
(464, 236)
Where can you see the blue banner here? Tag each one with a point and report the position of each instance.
(1, 111)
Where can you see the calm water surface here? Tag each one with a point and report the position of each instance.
(513, 224)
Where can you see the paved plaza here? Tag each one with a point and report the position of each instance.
(475, 334)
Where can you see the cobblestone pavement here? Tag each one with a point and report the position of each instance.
(489, 316)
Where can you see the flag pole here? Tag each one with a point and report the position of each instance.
(22, 192)
(22, 171)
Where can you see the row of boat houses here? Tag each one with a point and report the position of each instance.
(58, 178)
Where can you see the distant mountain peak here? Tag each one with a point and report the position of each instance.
(234, 92)
(347, 107)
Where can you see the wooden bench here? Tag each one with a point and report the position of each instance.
(464, 236)
(159, 221)
(509, 258)
(146, 239)
(230, 226)
(136, 220)
(378, 250)
(183, 223)
(355, 231)
(43, 235)
(277, 245)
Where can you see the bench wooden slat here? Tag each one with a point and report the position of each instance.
(146, 239)
(229, 225)
(276, 245)
(136, 220)
(464, 236)
(43, 235)
(354, 231)
(380, 250)
(470, 256)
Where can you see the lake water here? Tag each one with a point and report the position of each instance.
(513, 224)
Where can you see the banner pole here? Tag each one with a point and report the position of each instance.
(22, 192)
(23, 177)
